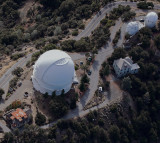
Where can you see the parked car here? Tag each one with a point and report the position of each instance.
(141, 20)
(89, 59)
(89, 72)
(26, 94)
(100, 89)
(20, 83)
(81, 62)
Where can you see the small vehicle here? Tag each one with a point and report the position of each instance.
(81, 62)
(26, 94)
(90, 59)
(89, 72)
(100, 89)
(20, 83)
(141, 20)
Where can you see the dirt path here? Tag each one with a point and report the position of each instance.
(23, 11)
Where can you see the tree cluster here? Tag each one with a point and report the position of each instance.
(117, 36)
(40, 118)
(18, 71)
(83, 83)
(145, 5)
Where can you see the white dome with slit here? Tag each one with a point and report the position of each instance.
(133, 27)
(53, 71)
(151, 19)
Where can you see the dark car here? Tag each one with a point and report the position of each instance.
(141, 20)
(89, 72)
(26, 94)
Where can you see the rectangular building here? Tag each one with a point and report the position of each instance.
(125, 66)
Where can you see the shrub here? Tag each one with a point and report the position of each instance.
(34, 35)
(75, 33)
(1, 93)
(17, 56)
(40, 119)
(18, 71)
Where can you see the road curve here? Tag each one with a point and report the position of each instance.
(4, 80)
(104, 53)
(101, 56)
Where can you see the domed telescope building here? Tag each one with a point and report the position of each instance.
(53, 71)
(133, 27)
(151, 19)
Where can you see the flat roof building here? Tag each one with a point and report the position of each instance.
(18, 117)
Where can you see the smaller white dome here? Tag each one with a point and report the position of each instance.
(133, 27)
(151, 19)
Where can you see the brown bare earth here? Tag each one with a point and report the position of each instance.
(96, 100)
(28, 5)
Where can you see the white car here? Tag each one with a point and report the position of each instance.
(26, 94)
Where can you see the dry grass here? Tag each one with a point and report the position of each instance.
(6, 64)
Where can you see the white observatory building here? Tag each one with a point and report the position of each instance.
(133, 27)
(53, 71)
(151, 19)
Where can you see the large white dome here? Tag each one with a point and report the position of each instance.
(151, 19)
(53, 71)
(133, 27)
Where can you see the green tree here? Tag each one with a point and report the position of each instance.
(157, 41)
(118, 53)
(40, 118)
(82, 86)
(46, 95)
(114, 133)
(106, 70)
(18, 71)
(62, 93)
(53, 94)
(85, 79)
(126, 84)
(1, 93)
(84, 68)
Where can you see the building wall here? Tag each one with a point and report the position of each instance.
(123, 71)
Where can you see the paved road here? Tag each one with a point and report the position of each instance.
(94, 79)
(102, 55)
(4, 127)
(97, 18)
(4, 80)
(100, 58)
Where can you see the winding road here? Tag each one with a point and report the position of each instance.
(104, 53)
(4, 80)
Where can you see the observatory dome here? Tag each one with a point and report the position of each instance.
(53, 71)
(151, 19)
(133, 27)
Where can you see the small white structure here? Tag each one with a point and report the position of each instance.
(125, 66)
(53, 71)
(100, 89)
(151, 19)
(133, 27)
